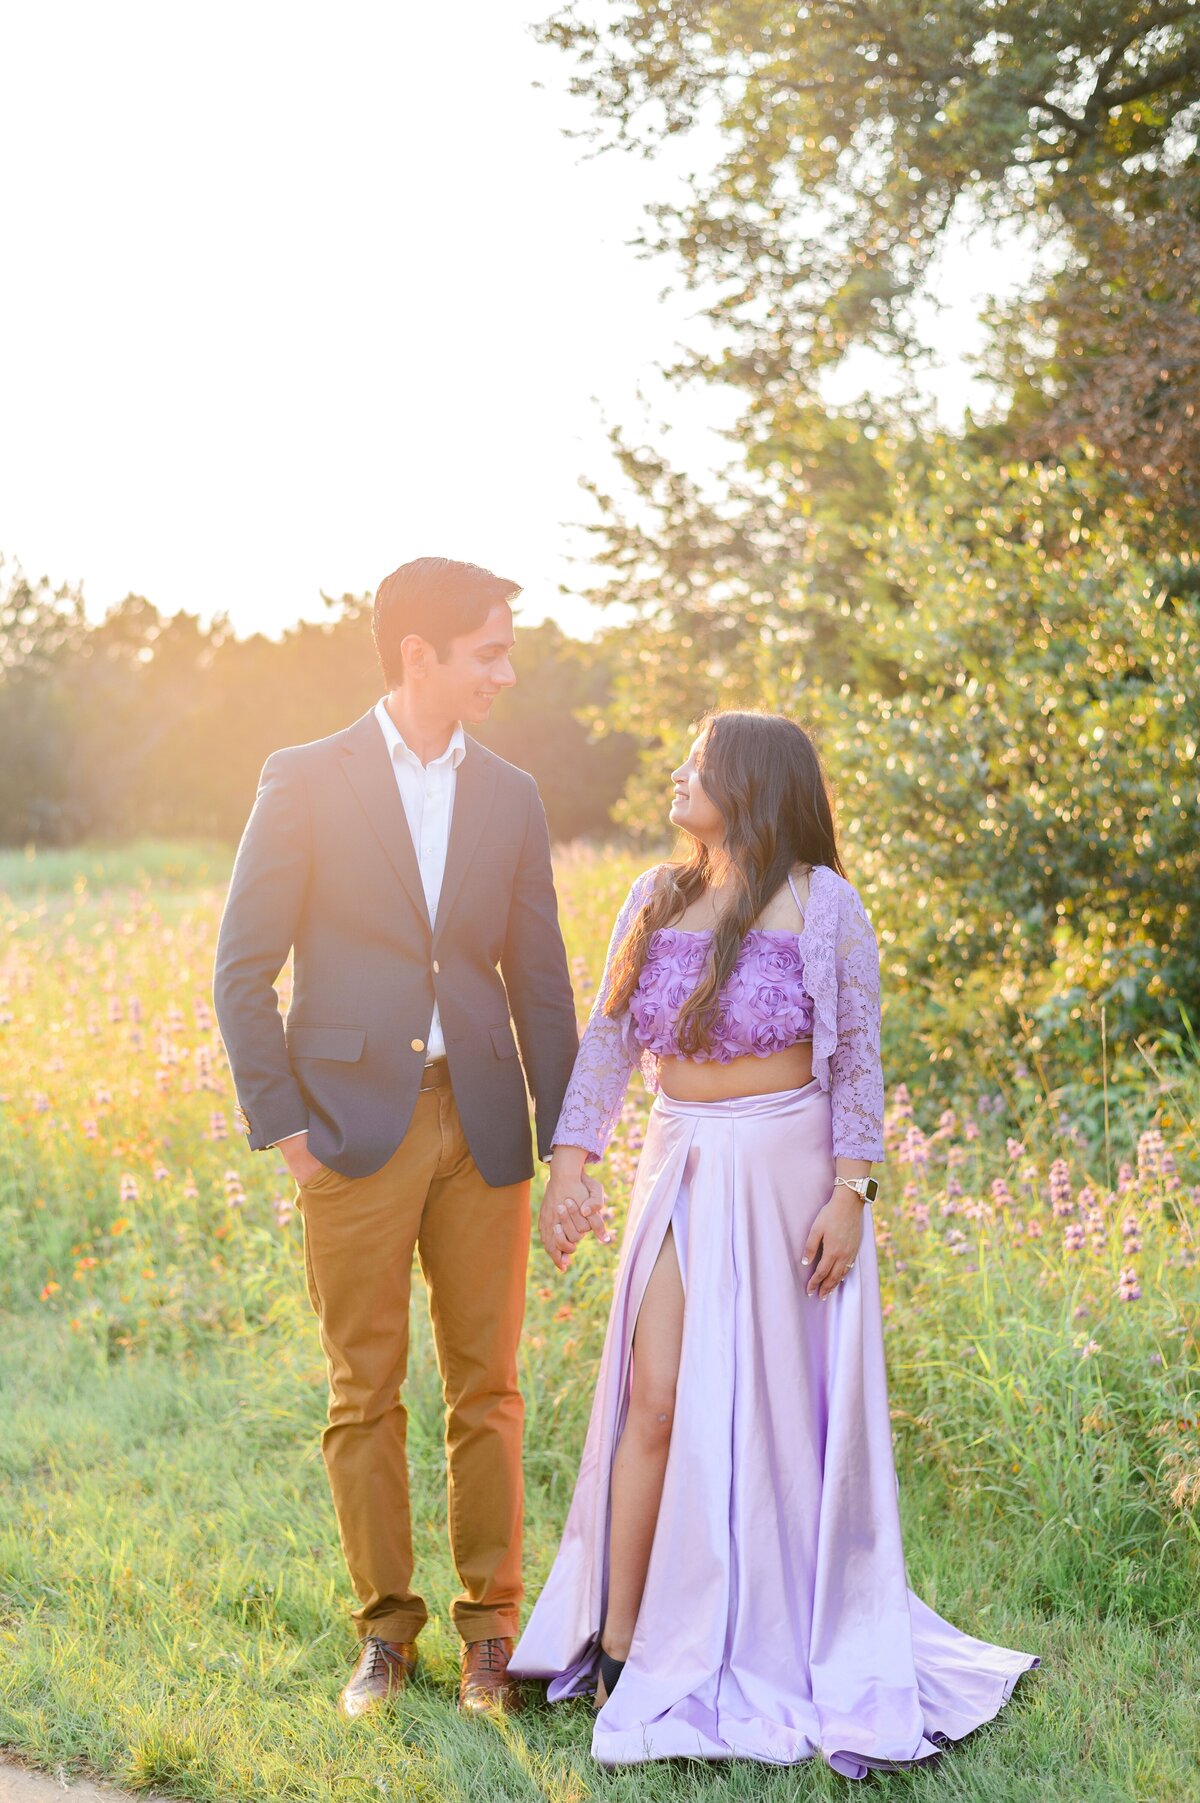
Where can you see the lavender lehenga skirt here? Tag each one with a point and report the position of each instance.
(776, 1622)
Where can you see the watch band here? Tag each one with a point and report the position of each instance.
(865, 1187)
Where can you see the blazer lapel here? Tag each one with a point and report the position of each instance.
(369, 770)
(474, 789)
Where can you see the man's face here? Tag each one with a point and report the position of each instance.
(478, 666)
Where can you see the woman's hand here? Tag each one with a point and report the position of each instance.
(833, 1242)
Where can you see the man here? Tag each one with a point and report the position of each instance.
(404, 863)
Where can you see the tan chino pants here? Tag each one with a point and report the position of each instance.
(473, 1243)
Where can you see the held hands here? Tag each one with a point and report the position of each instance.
(833, 1242)
(572, 1206)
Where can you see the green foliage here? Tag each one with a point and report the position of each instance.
(850, 134)
(1028, 780)
(153, 724)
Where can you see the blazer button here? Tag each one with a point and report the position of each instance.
(418, 1045)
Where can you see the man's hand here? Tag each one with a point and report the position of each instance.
(572, 1206)
(299, 1160)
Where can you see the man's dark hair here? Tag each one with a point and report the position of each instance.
(438, 599)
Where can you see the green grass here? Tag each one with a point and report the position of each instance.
(172, 1596)
(160, 863)
(172, 1613)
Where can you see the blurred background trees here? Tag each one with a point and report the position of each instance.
(145, 724)
(992, 630)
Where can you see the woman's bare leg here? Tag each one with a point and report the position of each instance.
(641, 1457)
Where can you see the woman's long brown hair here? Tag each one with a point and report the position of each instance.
(762, 773)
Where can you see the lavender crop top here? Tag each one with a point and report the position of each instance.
(820, 984)
(762, 1008)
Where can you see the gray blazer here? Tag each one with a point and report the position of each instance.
(327, 866)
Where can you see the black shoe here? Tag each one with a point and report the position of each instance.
(610, 1672)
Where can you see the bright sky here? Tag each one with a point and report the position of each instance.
(295, 293)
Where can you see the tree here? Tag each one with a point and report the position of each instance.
(854, 129)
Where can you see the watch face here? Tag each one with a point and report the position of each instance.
(872, 1189)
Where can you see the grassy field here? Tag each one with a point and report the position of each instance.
(172, 1596)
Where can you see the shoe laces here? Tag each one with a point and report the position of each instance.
(381, 1658)
(491, 1656)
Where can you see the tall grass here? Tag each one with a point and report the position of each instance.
(172, 1596)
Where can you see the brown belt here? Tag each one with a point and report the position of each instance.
(436, 1075)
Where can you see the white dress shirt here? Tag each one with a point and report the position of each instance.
(427, 792)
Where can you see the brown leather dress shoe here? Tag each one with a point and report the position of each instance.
(383, 1666)
(486, 1684)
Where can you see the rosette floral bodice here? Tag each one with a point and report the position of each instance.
(763, 1006)
(826, 980)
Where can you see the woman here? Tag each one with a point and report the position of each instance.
(731, 1576)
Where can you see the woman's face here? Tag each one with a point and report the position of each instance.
(691, 809)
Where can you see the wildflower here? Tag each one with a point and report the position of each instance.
(119, 1226)
(51, 1289)
(1089, 1349)
(956, 1242)
(1087, 1198)
(902, 1101)
(915, 1148)
(1125, 1179)
(1033, 1228)
(129, 1188)
(1015, 1149)
(284, 1210)
(1001, 1194)
(1149, 1153)
(235, 1194)
(1131, 1235)
(1073, 1236)
(89, 1129)
(1129, 1289)
(161, 1173)
(217, 1128)
(953, 1187)
(970, 1130)
(41, 1104)
(1081, 1313)
(1169, 1170)
(1060, 1187)
(920, 1216)
(947, 1122)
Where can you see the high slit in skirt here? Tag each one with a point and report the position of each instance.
(776, 1623)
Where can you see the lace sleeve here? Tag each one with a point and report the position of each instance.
(855, 1071)
(607, 1054)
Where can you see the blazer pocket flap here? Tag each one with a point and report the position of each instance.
(503, 1043)
(342, 1043)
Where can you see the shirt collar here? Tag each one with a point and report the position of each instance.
(397, 746)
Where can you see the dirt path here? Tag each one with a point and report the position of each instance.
(20, 1784)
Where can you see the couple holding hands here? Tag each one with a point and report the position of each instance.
(731, 1579)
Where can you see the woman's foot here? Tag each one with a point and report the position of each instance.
(606, 1681)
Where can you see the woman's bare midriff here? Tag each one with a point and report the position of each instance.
(685, 1080)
